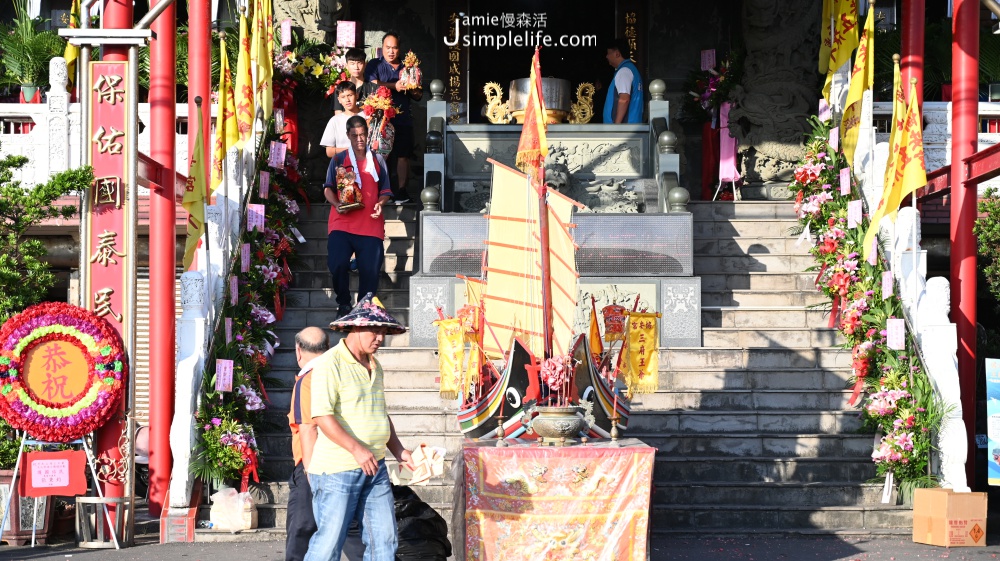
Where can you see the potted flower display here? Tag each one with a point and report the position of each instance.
(27, 49)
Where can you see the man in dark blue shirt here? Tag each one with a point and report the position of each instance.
(384, 71)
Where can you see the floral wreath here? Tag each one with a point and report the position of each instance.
(107, 368)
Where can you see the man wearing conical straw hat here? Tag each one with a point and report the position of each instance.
(347, 473)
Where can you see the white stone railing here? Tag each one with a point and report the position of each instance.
(53, 128)
(926, 302)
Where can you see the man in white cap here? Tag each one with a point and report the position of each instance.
(347, 473)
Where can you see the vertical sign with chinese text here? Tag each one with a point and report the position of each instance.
(107, 287)
(455, 60)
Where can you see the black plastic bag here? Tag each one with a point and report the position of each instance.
(421, 531)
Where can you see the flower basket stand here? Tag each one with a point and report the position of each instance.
(29, 519)
(39, 530)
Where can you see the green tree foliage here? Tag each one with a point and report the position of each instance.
(25, 278)
(987, 231)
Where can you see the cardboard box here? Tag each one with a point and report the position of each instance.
(943, 517)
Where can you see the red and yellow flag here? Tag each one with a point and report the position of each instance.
(898, 120)
(226, 129)
(533, 146)
(862, 78)
(910, 172)
(825, 42)
(194, 196)
(243, 89)
(844, 39)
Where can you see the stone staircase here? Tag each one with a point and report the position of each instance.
(753, 431)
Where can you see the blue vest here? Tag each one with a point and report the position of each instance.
(635, 102)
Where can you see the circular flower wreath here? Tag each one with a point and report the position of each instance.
(107, 370)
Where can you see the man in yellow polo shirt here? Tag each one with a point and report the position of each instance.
(347, 473)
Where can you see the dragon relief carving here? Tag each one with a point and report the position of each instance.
(497, 110)
(583, 110)
(776, 95)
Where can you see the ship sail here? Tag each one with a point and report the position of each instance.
(512, 297)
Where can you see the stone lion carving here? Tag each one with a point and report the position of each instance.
(773, 102)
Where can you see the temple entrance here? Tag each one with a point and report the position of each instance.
(582, 26)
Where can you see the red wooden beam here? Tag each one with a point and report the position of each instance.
(150, 176)
(938, 185)
(983, 165)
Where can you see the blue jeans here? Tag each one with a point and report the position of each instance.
(341, 497)
(370, 255)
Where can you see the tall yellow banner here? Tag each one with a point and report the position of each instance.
(642, 357)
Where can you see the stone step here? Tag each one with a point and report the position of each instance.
(749, 246)
(744, 228)
(726, 519)
(398, 246)
(326, 298)
(744, 337)
(319, 213)
(762, 469)
(679, 358)
(720, 412)
(743, 519)
(770, 262)
(782, 445)
(392, 262)
(764, 316)
(728, 210)
(320, 278)
(394, 229)
(286, 334)
(302, 317)
(727, 493)
(690, 379)
(759, 298)
(758, 280)
(670, 468)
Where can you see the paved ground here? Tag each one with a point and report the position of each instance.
(743, 549)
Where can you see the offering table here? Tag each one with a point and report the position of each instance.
(528, 502)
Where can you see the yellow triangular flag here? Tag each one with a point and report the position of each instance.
(72, 52)
(845, 39)
(825, 40)
(910, 171)
(226, 129)
(862, 78)
(262, 56)
(194, 196)
(243, 88)
(898, 119)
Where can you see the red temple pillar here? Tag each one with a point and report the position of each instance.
(199, 73)
(162, 255)
(117, 15)
(912, 43)
(964, 143)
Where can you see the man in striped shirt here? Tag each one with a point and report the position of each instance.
(348, 473)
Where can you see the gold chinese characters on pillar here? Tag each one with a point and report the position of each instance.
(109, 224)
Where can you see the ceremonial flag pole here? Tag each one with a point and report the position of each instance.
(909, 172)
